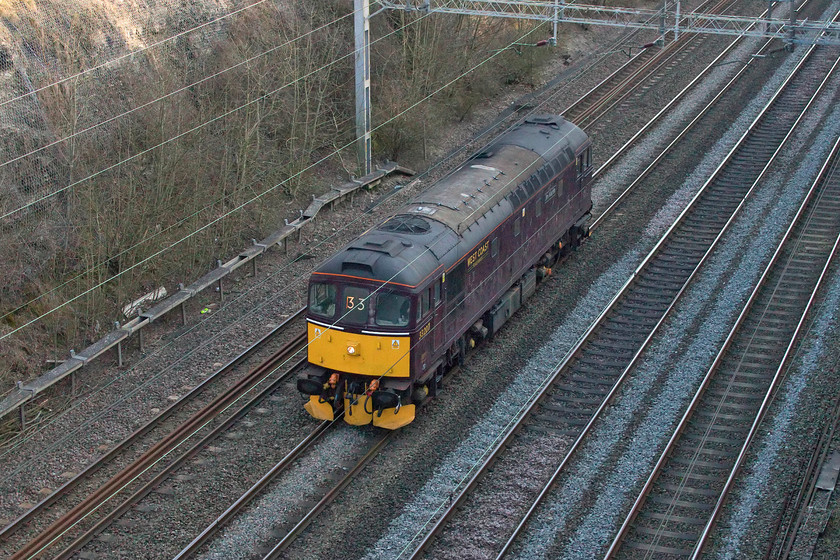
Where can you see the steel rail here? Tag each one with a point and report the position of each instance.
(163, 448)
(663, 112)
(131, 440)
(301, 525)
(704, 537)
(581, 110)
(672, 442)
(90, 470)
(167, 471)
(730, 156)
(621, 91)
(578, 442)
(626, 85)
(254, 490)
(584, 339)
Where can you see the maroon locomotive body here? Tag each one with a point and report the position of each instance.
(402, 303)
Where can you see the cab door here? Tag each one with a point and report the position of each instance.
(439, 311)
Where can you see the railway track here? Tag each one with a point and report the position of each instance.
(253, 492)
(585, 383)
(380, 441)
(592, 111)
(639, 70)
(87, 491)
(677, 508)
(88, 496)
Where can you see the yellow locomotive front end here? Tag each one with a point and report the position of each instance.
(359, 355)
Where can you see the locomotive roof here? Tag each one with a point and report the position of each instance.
(465, 195)
(463, 207)
(399, 258)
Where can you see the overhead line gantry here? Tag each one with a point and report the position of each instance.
(665, 19)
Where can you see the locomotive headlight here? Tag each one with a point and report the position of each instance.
(351, 350)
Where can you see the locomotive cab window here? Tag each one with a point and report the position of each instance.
(356, 303)
(517, 227)
(392, 310)
(422, 304)
(322, 299)
(437, 293)
(494, 247)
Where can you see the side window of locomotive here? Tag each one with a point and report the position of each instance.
(550, 193)
(392, 310)
(455, 283)
(545, 175)
(534, 184)
(494, 247)
(437, 292)
(517, 227)
(356, 304)
(322, 299)
(538, 209)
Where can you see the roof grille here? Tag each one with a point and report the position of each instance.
(406, 224)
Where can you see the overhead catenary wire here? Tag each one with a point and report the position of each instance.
(149, 380)
(156, 233)
(354, 221)
(345, 226)
(253, 199)
(485, 132)
(174, 92)
(512, 181)
(431, 168)
(250, 103)
(132, 53)
(197, 212)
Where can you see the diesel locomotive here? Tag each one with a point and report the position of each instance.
(390, 313)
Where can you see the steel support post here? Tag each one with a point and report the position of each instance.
(677, 22)
(662, 20)
(361, 21)
(119, 345)
(792, 25)
(221, 288)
